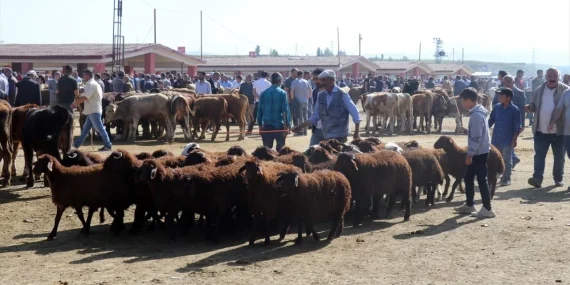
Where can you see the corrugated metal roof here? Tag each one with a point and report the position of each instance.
(393, 64)
(64, 50)
(275, 60)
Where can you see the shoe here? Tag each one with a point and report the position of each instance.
(466, 209)
(484, 213)
(515, 164)
(558, 183)
(105, 148)
(534, 183)
(505, 183)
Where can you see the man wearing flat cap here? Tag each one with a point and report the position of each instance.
(28, 91)
(332, 109)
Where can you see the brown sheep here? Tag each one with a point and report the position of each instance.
(237, 151)
(210, 109)
(426, 172)
(365, 146)
(95, 157)
(143, 155)
(316, 197)
(263, 196)
(376, 174)
(287, 150)
(172, 161)
(456, 155)
(161, 152)
(265, 153)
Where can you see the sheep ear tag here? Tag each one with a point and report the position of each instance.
(297, 181)
(260, 170)
(50, 166)
(153, 174)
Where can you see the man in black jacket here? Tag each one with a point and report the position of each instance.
(28, 91)
(11, 85)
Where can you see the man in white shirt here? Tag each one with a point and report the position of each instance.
(203, 86)
(93, 109)
(544, 100)
(236, 84)
(4, 82)
(258, 86)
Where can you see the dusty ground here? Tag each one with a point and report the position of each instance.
(526, 244)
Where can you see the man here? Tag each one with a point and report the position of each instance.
(287, 86)
(203, 86)
(99, 81)
(52, 87)
(108, 83)
(563, 108)
(506, 118)
(342, 84)
(474, 83)
(246, 88)
(148, 83)
(332, 109)
(519, 82)
(11, 85)
(215, 82)
(273, 114)
(519, 99)
(466, 80)
(458, 86)
(544, 101)
(136, 80)
(118, 83)
(225, 82)
(446, 84)
(93, 109)
(379, 84)
(259, 86)
(566, 79)
(411, 86)
(367, 83)
(4, 86)
(317, 132)
(236, 84)
(538, 81)
(500, 76)
(77, 78)
(28, 91)
(178, 82)
(430, 84)
(300, 91)
(165, 82)
(66, 89)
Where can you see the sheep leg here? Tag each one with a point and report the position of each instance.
(265, 230)
(391, 202)
(340, 227)
(492, 178)
(299, 238)
(357, 213)
(53, 233)
(334, 226)
(315, 234)
(216, 228)
(430, 194)
(102, 215)
(415, 194)
(284, 229)
(253, 229)
(88, 221)
(118, 225)
(139, 219)
(376, 205)
(79, 213)
(447, 181)
(170, 225)
(455, 184)
(408, 204)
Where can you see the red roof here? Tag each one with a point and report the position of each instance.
(80, 51)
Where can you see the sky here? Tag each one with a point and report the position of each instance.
(487, 30)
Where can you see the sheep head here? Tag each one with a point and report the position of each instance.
(326, 145)
(335, 145)
(346, 163)
(393, 147)
(190, 147)
(351, 148)
(143, 156)
(413, 144)
(288, 182)
(253, 169)
(286, 150)
(264, 153)
(44, 164)
(227, 160)
(375, 141)
(160, 153)
(300, 161)
(320, 155)
(75, 157)
(236, 150)
(196, 157)
(151, 170)
(444, 142)
(119, 159)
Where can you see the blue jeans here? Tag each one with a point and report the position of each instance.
(268, 138)
(541, 144)
(478, 167)
(301, 114)
(310, 110)
(93, 121)
(507, 153)
(317, 137)
(567, 145)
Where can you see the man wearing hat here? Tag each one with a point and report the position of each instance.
(507, 120)
(28, 91)
(331, 111)
(273, 114)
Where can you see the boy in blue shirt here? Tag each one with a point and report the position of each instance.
(478, 147)
(507, 120)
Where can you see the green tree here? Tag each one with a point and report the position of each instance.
(328, 52)
(342, 53)
(381, 57)
(390, 58)
(274, 53)
(405, 58)
(319, 52)
(257, 49)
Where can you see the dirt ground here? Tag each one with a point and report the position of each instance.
(526, 244)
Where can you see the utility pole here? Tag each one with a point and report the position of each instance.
(154, 26)
(453, 58)
(420, 55)
(462, 55)
(359, 44)
(338, 45)
(296, 53)
(201, 34)
(533, 64)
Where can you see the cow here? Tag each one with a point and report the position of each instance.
(6, 140)
(405, 111)
(381, 104)
(19, 115)
(45, 131)
(422, 104)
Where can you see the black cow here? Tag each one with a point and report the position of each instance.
(45, 132)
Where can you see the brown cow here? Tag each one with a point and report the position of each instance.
(212, 109)
(238, 107)
(6, 140)
(423, 103)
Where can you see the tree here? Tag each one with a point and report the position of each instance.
(342, 53)
(389, 58)
(381, 57)
(328, 52)
(405, 58)
(274, 53)
(257, 49)
(319, 52)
